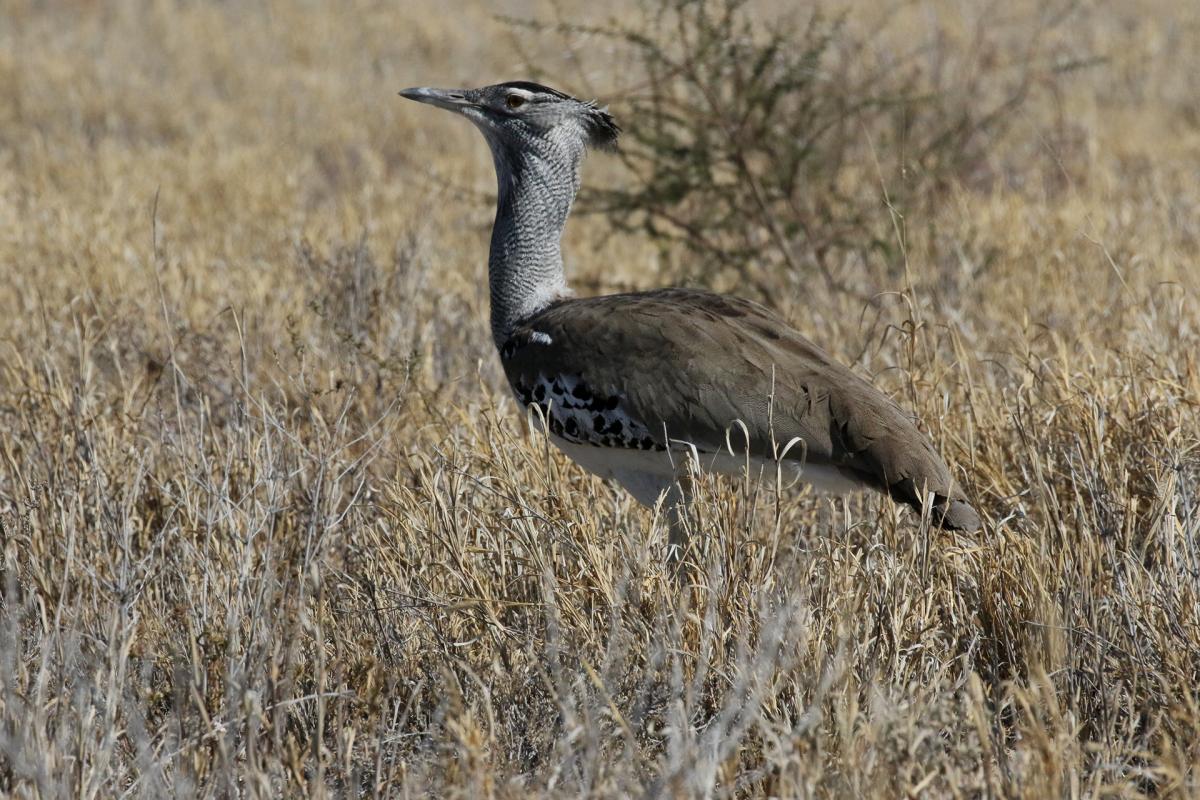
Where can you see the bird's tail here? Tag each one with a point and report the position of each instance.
(950, 513)
(954, 514)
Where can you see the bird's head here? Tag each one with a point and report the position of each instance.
(520, 117)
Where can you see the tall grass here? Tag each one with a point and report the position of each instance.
(272, 525)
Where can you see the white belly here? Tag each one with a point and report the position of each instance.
(606, 441)
(647, 473)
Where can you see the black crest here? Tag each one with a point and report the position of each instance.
(530, 86)
(602, 129)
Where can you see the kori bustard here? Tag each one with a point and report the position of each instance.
(634, 387)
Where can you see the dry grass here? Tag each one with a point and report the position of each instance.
(272, 525)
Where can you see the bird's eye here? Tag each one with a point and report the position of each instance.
(515, 101)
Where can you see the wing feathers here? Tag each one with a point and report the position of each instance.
(694, 362)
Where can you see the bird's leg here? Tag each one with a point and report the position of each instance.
(677, 504)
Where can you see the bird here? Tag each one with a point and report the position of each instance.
(643, 388)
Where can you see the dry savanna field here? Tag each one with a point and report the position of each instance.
(273, 525)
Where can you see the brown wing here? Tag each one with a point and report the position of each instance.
(692, 363)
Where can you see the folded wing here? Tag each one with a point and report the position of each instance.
(687, 366)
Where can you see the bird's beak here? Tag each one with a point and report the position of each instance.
(449, 99)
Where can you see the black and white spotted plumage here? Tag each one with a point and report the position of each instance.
(573, 409)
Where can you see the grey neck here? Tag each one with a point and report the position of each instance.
(525, 268)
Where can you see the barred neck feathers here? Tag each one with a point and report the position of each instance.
(537, 183)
